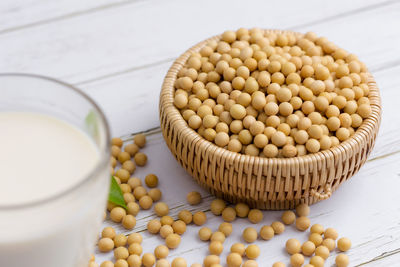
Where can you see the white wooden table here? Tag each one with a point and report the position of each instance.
(118, 52)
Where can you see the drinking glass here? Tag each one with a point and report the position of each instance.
(59, 230)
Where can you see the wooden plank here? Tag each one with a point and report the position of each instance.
(350, 210)
(120, 39)
(17, 15)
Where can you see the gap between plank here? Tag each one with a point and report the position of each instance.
(388, 65)
(380, 257)
(346, 14)
(125, 71)
(69, 16)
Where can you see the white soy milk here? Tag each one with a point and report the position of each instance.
(40, 158)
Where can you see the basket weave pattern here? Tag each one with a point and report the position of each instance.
(266, 183)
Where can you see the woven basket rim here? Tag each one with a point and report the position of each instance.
(166, 102)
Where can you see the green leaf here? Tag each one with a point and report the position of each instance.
(115, 196)
(91, 122)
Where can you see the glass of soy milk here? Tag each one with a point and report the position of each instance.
(54, 172)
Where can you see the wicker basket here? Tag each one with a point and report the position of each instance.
(276, 183)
